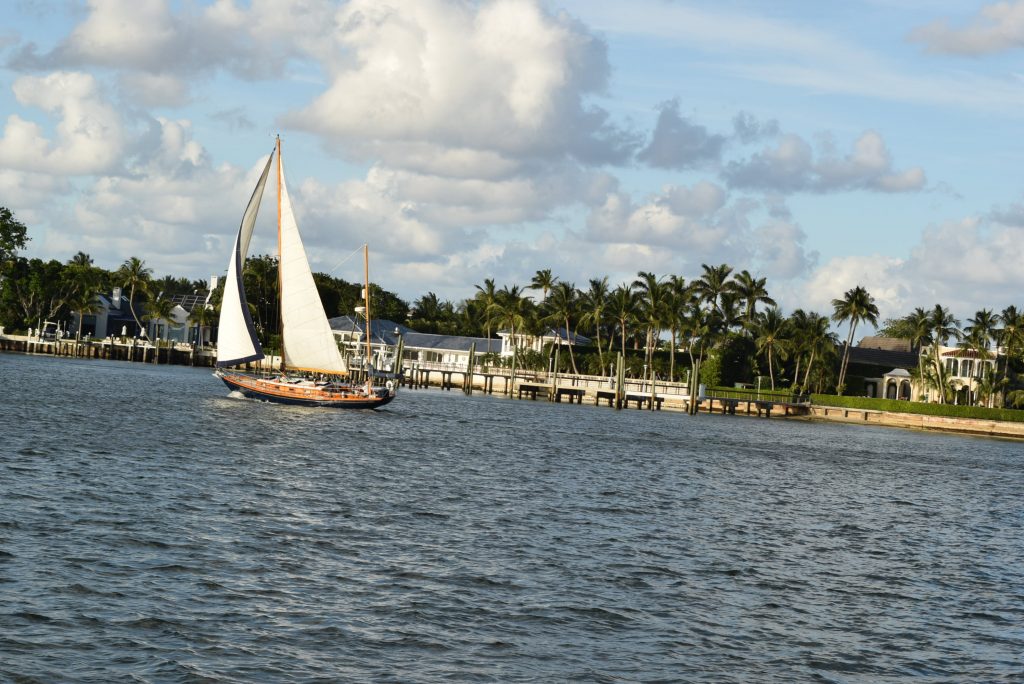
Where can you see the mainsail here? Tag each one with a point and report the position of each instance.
(236, 338)
(309, 343)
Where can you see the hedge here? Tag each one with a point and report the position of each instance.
(897, 406)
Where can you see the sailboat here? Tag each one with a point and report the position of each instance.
(311, 364)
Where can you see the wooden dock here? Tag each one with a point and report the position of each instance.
(110, 349)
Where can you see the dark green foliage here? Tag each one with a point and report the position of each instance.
(735, 354)
(34, 290)
(170, 286)
(13, 235)
(711, 370)
(855, 386)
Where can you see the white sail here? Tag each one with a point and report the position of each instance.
(308, 341)
(236, 336)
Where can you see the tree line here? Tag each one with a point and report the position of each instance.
(722, 327)
(37, 290)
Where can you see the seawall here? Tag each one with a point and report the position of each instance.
(914, 421)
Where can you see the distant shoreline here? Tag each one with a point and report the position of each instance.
(669, 401)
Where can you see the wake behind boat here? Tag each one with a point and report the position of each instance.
(312, 370)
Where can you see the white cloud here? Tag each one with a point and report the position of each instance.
(154, 90)
(31, 196)
(118, 33)
(882, 276)
(165, 42)
(791, 166)
(679, 144)
(780, 250)
(997, 27)
(501, 79)
(89, 135)
(965, 265)
(697, 224)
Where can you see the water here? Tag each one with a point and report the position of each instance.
(154, 529)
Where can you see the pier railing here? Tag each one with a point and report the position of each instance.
(594, 382)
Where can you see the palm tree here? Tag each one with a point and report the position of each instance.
(434, 315)
(699, 330)
(978, 336)
(1011, 336)
(771, 335)
(202, 316)
(133, 274)
(799, 344)
(943, 326)
(679, 297)
(543, 281)
(80, 259)
(562, 306)
(919, 331)
(85, 285)
(713, 283)
(622, 308)
(510, 309)
(486, 295)
(983, 325)
(729, 314)
(857, 305)
(820, 340)
(651, 309)
(751, 291)
(595, 301)
(160, 308)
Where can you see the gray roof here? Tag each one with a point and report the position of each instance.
(882, 357)
(450, 342)
(887, 343)
(384, 332)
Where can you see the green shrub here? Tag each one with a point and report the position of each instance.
(711, 370)
(897, 406)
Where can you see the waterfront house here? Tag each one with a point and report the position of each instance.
(538, 343)
(889, 365)
(967, 371)
(885, 363)
(439, 351)
(178, 328)
(111, 317)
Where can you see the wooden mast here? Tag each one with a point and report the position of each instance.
(366, 303)
(280, 280)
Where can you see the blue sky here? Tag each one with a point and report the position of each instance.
(822, 145)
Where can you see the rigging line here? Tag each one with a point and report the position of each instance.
(342, 262)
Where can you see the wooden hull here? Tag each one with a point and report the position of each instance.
(305, 393)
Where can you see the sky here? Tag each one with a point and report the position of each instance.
(821, 145)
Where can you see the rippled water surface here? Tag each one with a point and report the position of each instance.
(154, 529)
